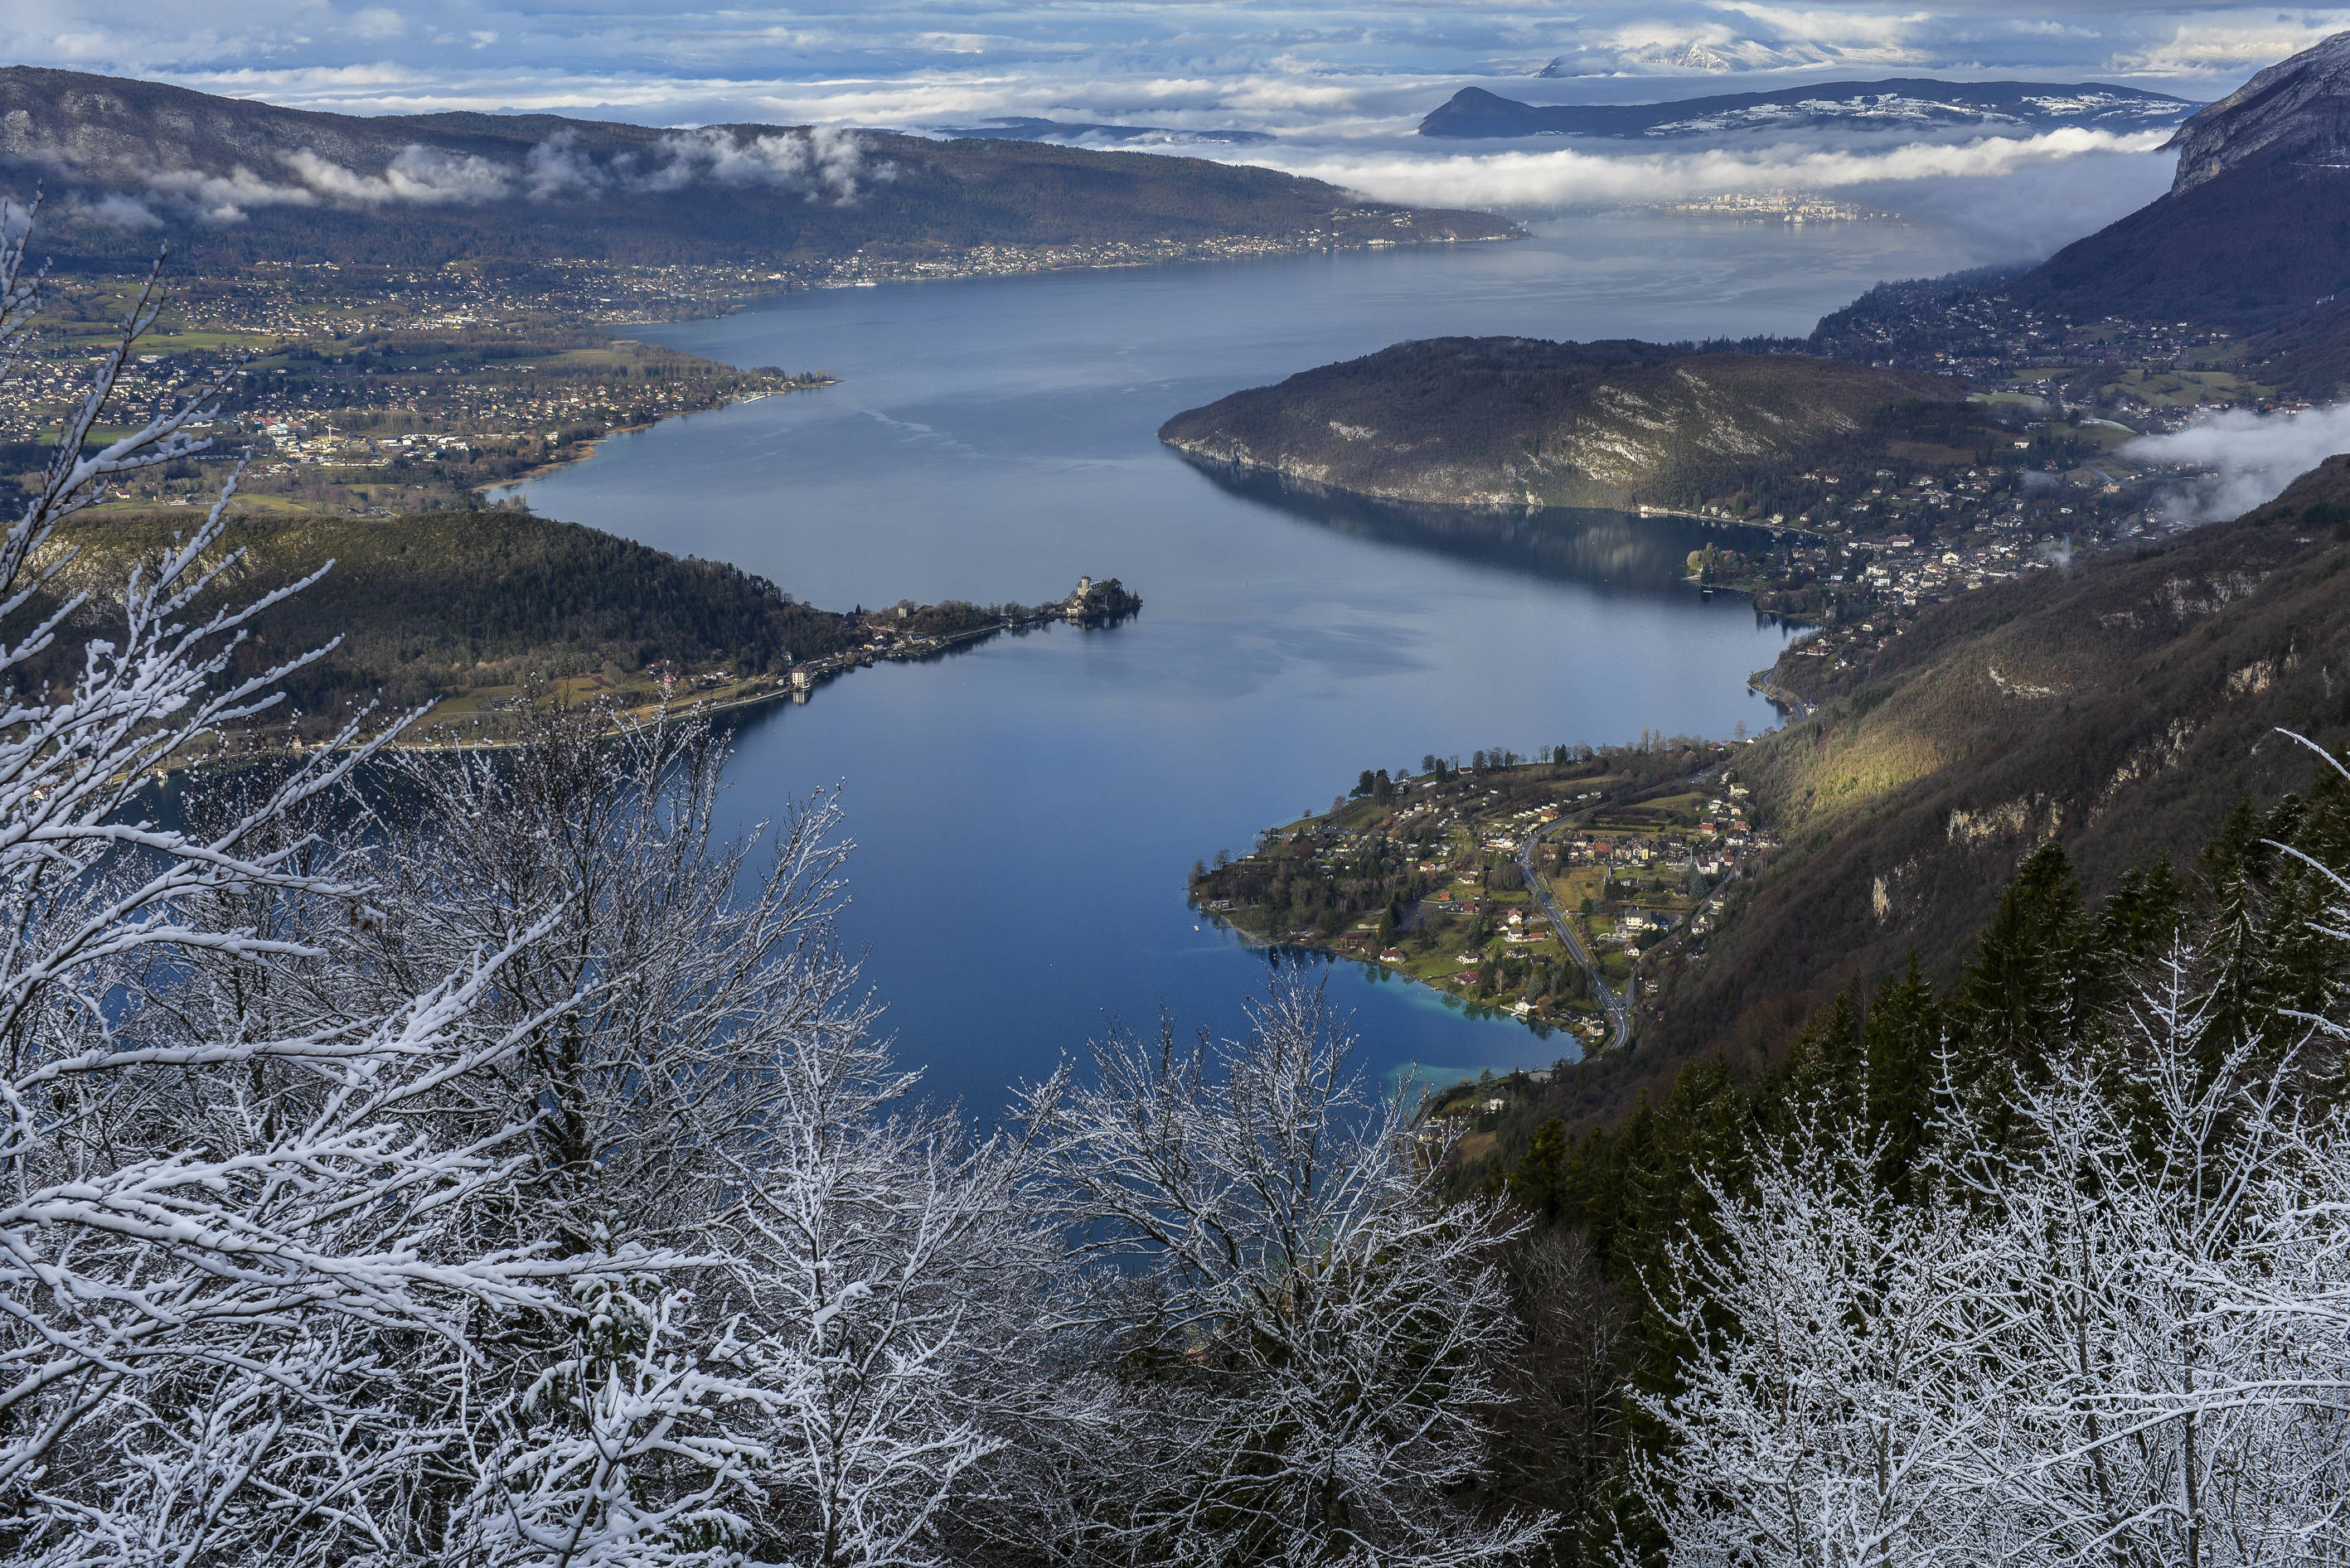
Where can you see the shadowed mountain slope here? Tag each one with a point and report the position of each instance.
(2256, 226)
(2122, 709)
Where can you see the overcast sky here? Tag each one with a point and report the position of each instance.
(1339, 83)
(1327, 70)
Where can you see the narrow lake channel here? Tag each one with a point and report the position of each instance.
(1025, 812)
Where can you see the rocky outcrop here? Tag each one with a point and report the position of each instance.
(2254, 233)
(2297, 109)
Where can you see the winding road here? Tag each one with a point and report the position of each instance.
(1619, 1008)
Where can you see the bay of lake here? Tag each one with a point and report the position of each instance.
(1025, 812)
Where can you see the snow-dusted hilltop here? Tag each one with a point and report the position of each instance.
(1899, 104)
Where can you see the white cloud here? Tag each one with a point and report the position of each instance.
(1852, 35)
(224, 199)
(2252, 456)
(377, 23)
(555, 168)
(417, 176)
(122, 211)
(821, 162)
(1573, 177)
(2205, 48)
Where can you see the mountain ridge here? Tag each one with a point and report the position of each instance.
(2298, 107)
(2255, 228)
(232, 182)
(1902, 103)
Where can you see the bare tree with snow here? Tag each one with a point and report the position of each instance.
(1306, 1331)
(208, 1222)
(813, 1373)
(1835, 1393)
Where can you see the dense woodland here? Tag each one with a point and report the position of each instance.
(444, 602)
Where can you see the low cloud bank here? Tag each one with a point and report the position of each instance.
(1574, 177)
(820, 165)
(2253, 457)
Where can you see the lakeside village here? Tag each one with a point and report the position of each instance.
(1440, 878)
(410, 393)
(373, 392)
(2033, 475)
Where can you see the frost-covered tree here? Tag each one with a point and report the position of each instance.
(506, 1173)
(2104, 1323)
(2132, 1175)
(1835, 1393)
(813, 1374)
(209, 1223)
(1304, 1332)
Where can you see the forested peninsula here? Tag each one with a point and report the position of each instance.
(1517, 422)
(483, 613)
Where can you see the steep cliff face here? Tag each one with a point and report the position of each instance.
(1520, 422)
(2297, 109)
(2256, 229)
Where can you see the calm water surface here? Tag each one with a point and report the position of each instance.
(1025, 812)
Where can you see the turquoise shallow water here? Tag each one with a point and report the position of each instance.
(1025, 812)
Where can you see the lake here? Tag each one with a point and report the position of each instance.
(1025, 812)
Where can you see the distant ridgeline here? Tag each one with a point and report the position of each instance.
(232, 182)
(1027, 127)
(1516, 422)
(1901, 103)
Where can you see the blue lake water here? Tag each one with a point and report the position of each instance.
(1025, 812)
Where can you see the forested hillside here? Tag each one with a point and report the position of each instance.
(444, 602)
(234, 182)
(2122, 708)
(1512, 422)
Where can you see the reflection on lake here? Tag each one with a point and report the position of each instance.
(1586, 544)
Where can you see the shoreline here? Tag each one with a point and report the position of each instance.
(586, 449)
(756, 692)
(1458, 862)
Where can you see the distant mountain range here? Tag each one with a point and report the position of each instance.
(1904, 103)
(2256, 226)
(1015, 128)
(232, 182)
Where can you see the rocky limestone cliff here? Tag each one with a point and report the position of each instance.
(1515, 422)
(2297, 109)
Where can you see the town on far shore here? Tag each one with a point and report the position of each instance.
(1530, 887)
